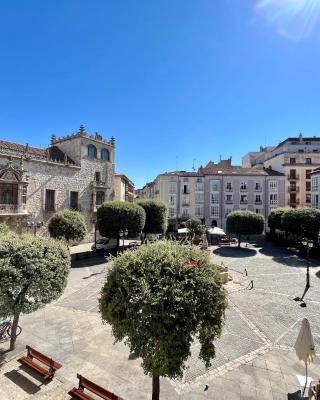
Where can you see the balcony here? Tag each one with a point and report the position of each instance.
(229, 189)
(229, 201)
(293, 177)
(185, 203)
(243, 201)
(243, 189)
(258, 189)
(258, 202)
(13, 209)
(186, 191)
(100, 185)
(293, 189)
(292, 202)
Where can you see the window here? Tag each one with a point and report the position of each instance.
(199, 179)
(199, 187)
(243, 186)
(24, 194)
(258, 211)
(185, 201)
(49, 202)
(172, 199)
(215, 186)
(243, 199)
(186, 179)
(292, 160)
(105, 155)
(308, 161)
(97, 176)
(214, 198)
(314, 183)
(185, 189)
(8, 193)
(292, 174)
(227, 212)
(185, 212)
(308, 186)
(258, 199)
(228, 186)
(229, 198)
(74, 200)
(273, 197)
(172, 187)
(293, 186)
(198, 198)
(258, 186)
(315, 201)
(308, 198)
(199, 211)
(172, 212)
(214, 211)
(99, 198)
(308, 172)
(273, 185)
(92, 151)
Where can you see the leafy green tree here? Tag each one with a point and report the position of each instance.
(156, 216)
(303, 221)
(244, 223)
(195, 226)
(275, 218)
(158, 298)
(33, 272)
(68, 225)
(114, 216)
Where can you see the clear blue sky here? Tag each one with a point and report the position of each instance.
(172, 80)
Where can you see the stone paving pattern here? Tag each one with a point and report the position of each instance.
(254, 356)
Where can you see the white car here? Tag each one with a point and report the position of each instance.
(104, 244)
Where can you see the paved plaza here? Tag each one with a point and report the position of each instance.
(254, 356)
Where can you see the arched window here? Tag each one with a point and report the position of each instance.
(92, 151)
(100, 198)
(105, 156)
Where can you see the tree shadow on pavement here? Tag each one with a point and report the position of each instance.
(235, 252)
(318, 274)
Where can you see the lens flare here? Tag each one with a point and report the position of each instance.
(294, 19)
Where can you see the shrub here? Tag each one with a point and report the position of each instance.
(156, 216)
(275, 218)
(68, 225)
(113, 216)
(195, 227)
(33, 272)
(158, 298)
(4, 229)
(244, 223)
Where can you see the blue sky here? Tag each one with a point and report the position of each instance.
(176, 82)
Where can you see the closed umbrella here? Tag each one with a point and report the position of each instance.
(304, 346)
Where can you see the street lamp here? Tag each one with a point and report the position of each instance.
(35, 225)
(307, 243)
(123, 234)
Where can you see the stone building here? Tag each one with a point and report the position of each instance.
(123, 188)
(217, 189)
(76, 172)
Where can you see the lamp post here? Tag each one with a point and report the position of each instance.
(94, 222)
(122, 235)
(35, 225)
(307, 243)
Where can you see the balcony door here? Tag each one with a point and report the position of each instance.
(8, 193)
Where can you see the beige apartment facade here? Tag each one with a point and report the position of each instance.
(76, 172)
(123, 188)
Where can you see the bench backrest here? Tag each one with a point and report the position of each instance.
(44, 359)
(96, 389)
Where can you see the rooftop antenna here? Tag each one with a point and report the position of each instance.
(193, 164)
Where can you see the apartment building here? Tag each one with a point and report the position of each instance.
(217, 189)
(315, 188)
(123, 188)
(296, 158)
(76, 172)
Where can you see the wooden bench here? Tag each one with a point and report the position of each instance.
(84, 383)
(46, 369)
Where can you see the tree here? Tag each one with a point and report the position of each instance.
(156, 216)
(68, 225)
(244, 223)
(114, 216)
(195, 227)
(275, 218)
(158, 298)
(303, 221)
(33, 272)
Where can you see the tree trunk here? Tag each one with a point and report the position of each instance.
(239, 240)
(14, 331)
(155, 387)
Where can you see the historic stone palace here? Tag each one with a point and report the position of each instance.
(76, 172)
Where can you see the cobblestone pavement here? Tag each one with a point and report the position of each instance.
(254, 356)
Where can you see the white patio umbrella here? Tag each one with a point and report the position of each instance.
(304, 347)
(216, 231)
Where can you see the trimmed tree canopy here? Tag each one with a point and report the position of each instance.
(157, 298)
(113, 216)
(245, 223)
(275, 218)
(302, 221)
(68, 225)
(33, 272)
(156, 216)
(195, 227)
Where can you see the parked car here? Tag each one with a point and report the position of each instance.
(104, 244)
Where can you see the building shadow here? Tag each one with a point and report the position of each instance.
(318, 274)
(23, 382)
(235, 252)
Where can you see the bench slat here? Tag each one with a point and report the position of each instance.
(36, 367)
(44, 359)
(78, 394)
(96, 389)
